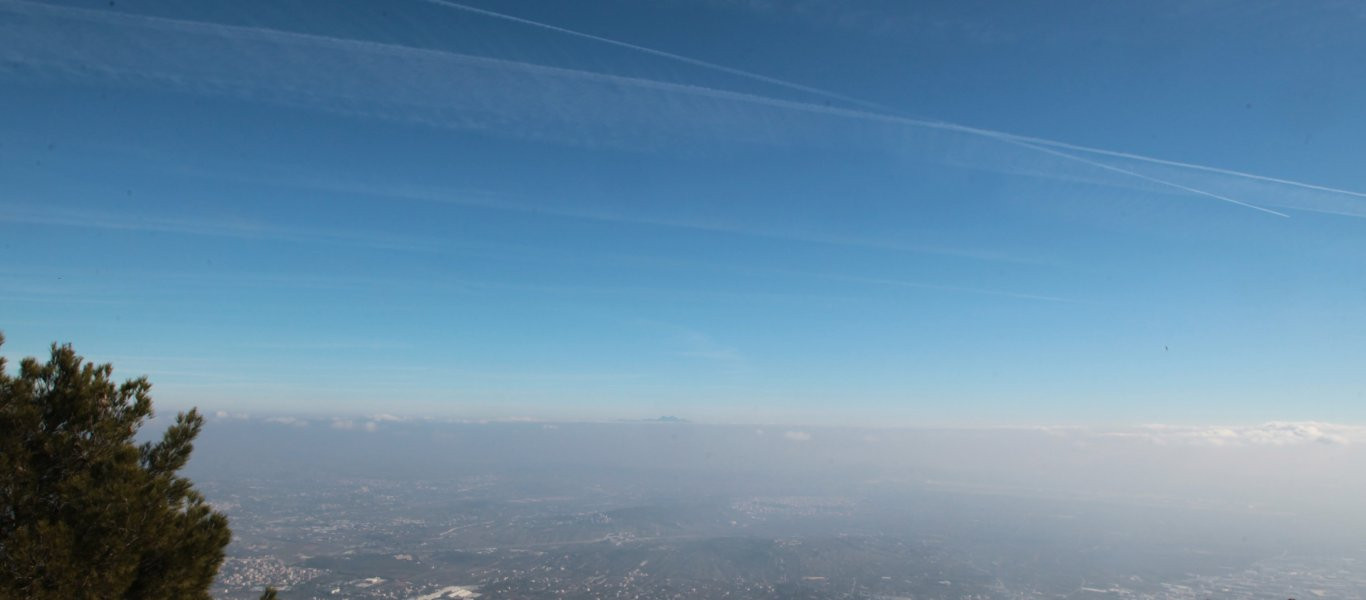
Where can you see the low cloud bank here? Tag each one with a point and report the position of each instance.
(1274, 433)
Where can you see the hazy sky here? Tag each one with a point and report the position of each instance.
(816, 211)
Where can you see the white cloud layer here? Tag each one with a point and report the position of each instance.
(1274, 433)
(225, 415)
(350, 425)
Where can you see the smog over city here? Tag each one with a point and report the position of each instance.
(393, 508)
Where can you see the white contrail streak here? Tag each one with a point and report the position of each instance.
(883, 114)
(1178, 186)
(1153, 160)
(669, 55)
(1026, 141)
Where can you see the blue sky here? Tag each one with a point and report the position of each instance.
(808, 212)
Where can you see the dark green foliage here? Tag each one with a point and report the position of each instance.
(85, 512)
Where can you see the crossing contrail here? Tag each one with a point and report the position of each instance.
(669, 55)
(1152, 159)
(869, 111)
(1112, 168)
(1034, 143)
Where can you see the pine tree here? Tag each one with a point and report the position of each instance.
(85, 511)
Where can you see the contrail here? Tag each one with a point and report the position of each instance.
(1115, 169)
(1149, 159)
(1026, 141)
(669, 55)
(883, 114)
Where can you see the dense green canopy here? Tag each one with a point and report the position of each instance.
(85, 512)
